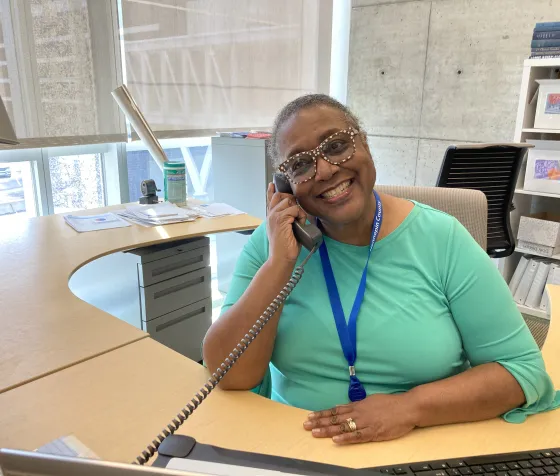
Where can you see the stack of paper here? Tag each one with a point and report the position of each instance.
(104, 221)
(159, 214)
(215, 210)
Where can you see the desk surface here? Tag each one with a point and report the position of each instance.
(43, 326)
(117, 403)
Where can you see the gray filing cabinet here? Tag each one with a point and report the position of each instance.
(163, 289)
(242, 172)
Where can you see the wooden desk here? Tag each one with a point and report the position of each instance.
(43, 326)
(117, 403)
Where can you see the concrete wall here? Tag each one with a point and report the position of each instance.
(425, 74)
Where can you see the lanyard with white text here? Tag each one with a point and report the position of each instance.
(347, 332)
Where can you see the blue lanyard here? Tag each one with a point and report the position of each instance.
(347, 332)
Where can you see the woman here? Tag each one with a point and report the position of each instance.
(438, 337)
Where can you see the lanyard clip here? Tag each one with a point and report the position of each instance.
(352, 371)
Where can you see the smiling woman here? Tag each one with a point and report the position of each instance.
(401, 320)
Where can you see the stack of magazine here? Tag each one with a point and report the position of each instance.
(530, 279)
(158, 214)
(166, 213)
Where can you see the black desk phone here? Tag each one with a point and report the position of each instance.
(169, 445)
(309, 234)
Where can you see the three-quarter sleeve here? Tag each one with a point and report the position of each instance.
(252, 257)
(491, 327)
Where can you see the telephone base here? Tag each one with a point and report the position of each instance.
(180, 446)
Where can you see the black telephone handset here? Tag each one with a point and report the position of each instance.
(309, 234)
(311, 238)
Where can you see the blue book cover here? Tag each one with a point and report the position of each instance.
(546, 35)
(544, 43)
(547, 26)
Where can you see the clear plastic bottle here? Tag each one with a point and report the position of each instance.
(175, 182)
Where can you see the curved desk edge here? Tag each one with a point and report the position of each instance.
(45, 327)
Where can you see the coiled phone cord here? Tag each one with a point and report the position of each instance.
(226, 365)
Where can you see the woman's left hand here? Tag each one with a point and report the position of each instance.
(378, 418)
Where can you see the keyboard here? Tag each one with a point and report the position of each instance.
(531, 463)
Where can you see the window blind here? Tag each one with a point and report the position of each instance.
(193, 66)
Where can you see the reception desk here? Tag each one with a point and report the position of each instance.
(43, 326)
(117, 392)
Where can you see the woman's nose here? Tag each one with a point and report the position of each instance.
(325, 170)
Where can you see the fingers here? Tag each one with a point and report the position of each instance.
(269, 193)
(330, 431)
(275, 198)
(338, 410)
(358, 436)
(302, 216)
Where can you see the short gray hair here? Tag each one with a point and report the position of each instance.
(299, 104)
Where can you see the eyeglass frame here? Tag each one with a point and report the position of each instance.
(318, 152)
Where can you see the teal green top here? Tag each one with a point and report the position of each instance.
(435, 305)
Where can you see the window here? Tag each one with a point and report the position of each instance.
(17, 189)
(208, 64)
(76, 182)
(195, 152)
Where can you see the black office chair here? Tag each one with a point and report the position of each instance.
(492, 169)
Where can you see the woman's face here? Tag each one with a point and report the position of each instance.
(338, 194)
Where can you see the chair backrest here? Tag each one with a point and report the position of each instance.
(492, 169)
(468, 206)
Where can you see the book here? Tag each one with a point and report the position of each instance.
(544, 43)
(547, 35)
(547, 26)
(551, 279)
(534, 248)
(545, 56)
(526, 282)
(548, 49)
(518, 274)
(536, 290)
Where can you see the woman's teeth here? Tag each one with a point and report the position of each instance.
(336, 191)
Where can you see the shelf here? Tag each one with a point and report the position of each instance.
(532, 312)
(542, 131)
(532, 253)
(540, 194)
(543, 62)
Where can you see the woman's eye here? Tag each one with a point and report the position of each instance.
(335, 146)
(300, 164)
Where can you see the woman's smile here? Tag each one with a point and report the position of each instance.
(338, 192)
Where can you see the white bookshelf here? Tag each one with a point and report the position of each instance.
(527, 202)
(529, 311)
(536, 194)
(523, 251)
(540, 131)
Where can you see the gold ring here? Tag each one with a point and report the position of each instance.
(351, 424)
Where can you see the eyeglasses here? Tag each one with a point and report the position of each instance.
(335, 149)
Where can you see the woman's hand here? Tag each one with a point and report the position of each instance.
(378, 418)
(283, 210)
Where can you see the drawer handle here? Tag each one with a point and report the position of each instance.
(177, 265)
(178, 287)
(184, 317)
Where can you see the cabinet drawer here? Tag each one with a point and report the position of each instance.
(184, 329)
(169, 248)
(166, 268)
(175, 293)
